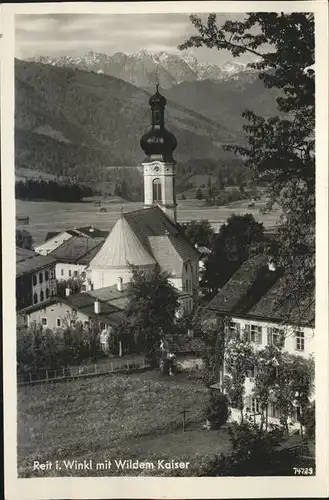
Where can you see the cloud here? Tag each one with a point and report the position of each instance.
(60, 34)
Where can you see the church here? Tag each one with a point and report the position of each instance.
(151, 236)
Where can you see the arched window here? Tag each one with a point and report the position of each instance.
(157, 190)
(35, 299)
(47, 293)
(40, 278)
(46, 275)
(41, 296)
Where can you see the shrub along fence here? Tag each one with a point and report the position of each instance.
(134, 363)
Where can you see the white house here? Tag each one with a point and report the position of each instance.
(74, 255)
(253, 301)
(104, 306)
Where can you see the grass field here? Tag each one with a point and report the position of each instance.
(114, 417)
(54, 216)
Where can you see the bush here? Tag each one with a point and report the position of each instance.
(217, 411)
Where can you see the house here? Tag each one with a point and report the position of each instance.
(252, 299)
(56, 238)
(74, 255)
(105, 306)
(35, 278)
(151, 236)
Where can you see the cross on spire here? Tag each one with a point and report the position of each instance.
(157, 77)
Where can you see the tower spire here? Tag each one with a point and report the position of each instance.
(157, 78)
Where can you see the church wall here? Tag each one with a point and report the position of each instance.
(101, 278)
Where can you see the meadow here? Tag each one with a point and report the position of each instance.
(134, 416)
(56, 216)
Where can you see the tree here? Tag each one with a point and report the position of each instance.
(199, 194)
(217, 411)
(212, 331)
(151, 310)
(280, 150)
(231, 247)
(74, 283)
(24, 239)
(200, 233)
(239, 359)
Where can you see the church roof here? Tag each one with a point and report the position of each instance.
(164, 240)
(144, 237)
(122, 247)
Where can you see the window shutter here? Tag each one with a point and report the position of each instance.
(259, 340)
(269, 336)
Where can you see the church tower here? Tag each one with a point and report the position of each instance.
(159, 166)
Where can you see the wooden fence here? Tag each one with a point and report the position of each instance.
(90, 370)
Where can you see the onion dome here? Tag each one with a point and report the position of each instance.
(158, 143)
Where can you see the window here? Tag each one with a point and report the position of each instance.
(44, 321)
(273, 411)
(46, 275)
(300, 341)
(254, 333)
(58, 322)
(234, 327)
(254, 405)
(70, 272)
(40, 277)
(62, 272)
(298, 413)
(156, 185)
(42, 296)
(34, 280)
(47, 293)
(75, 273)
(186, 286)
(275, 336)
(35, 299)
(102, 326)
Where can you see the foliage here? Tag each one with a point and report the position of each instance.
(280, 150)
(308, 420)
(50, 190)
(24, 239)
(217, 411)
(74, 283)
(39, 348)
(199, 194)
(231, 247)
(200, 233)
(239, 359)
(212, 330)
(151, 310)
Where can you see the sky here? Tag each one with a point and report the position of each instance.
(76, 34)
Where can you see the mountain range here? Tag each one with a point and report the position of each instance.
(70, 121)
(145, 67)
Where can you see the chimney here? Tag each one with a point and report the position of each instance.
(119, 285)
(68, 291)
(97, 306)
